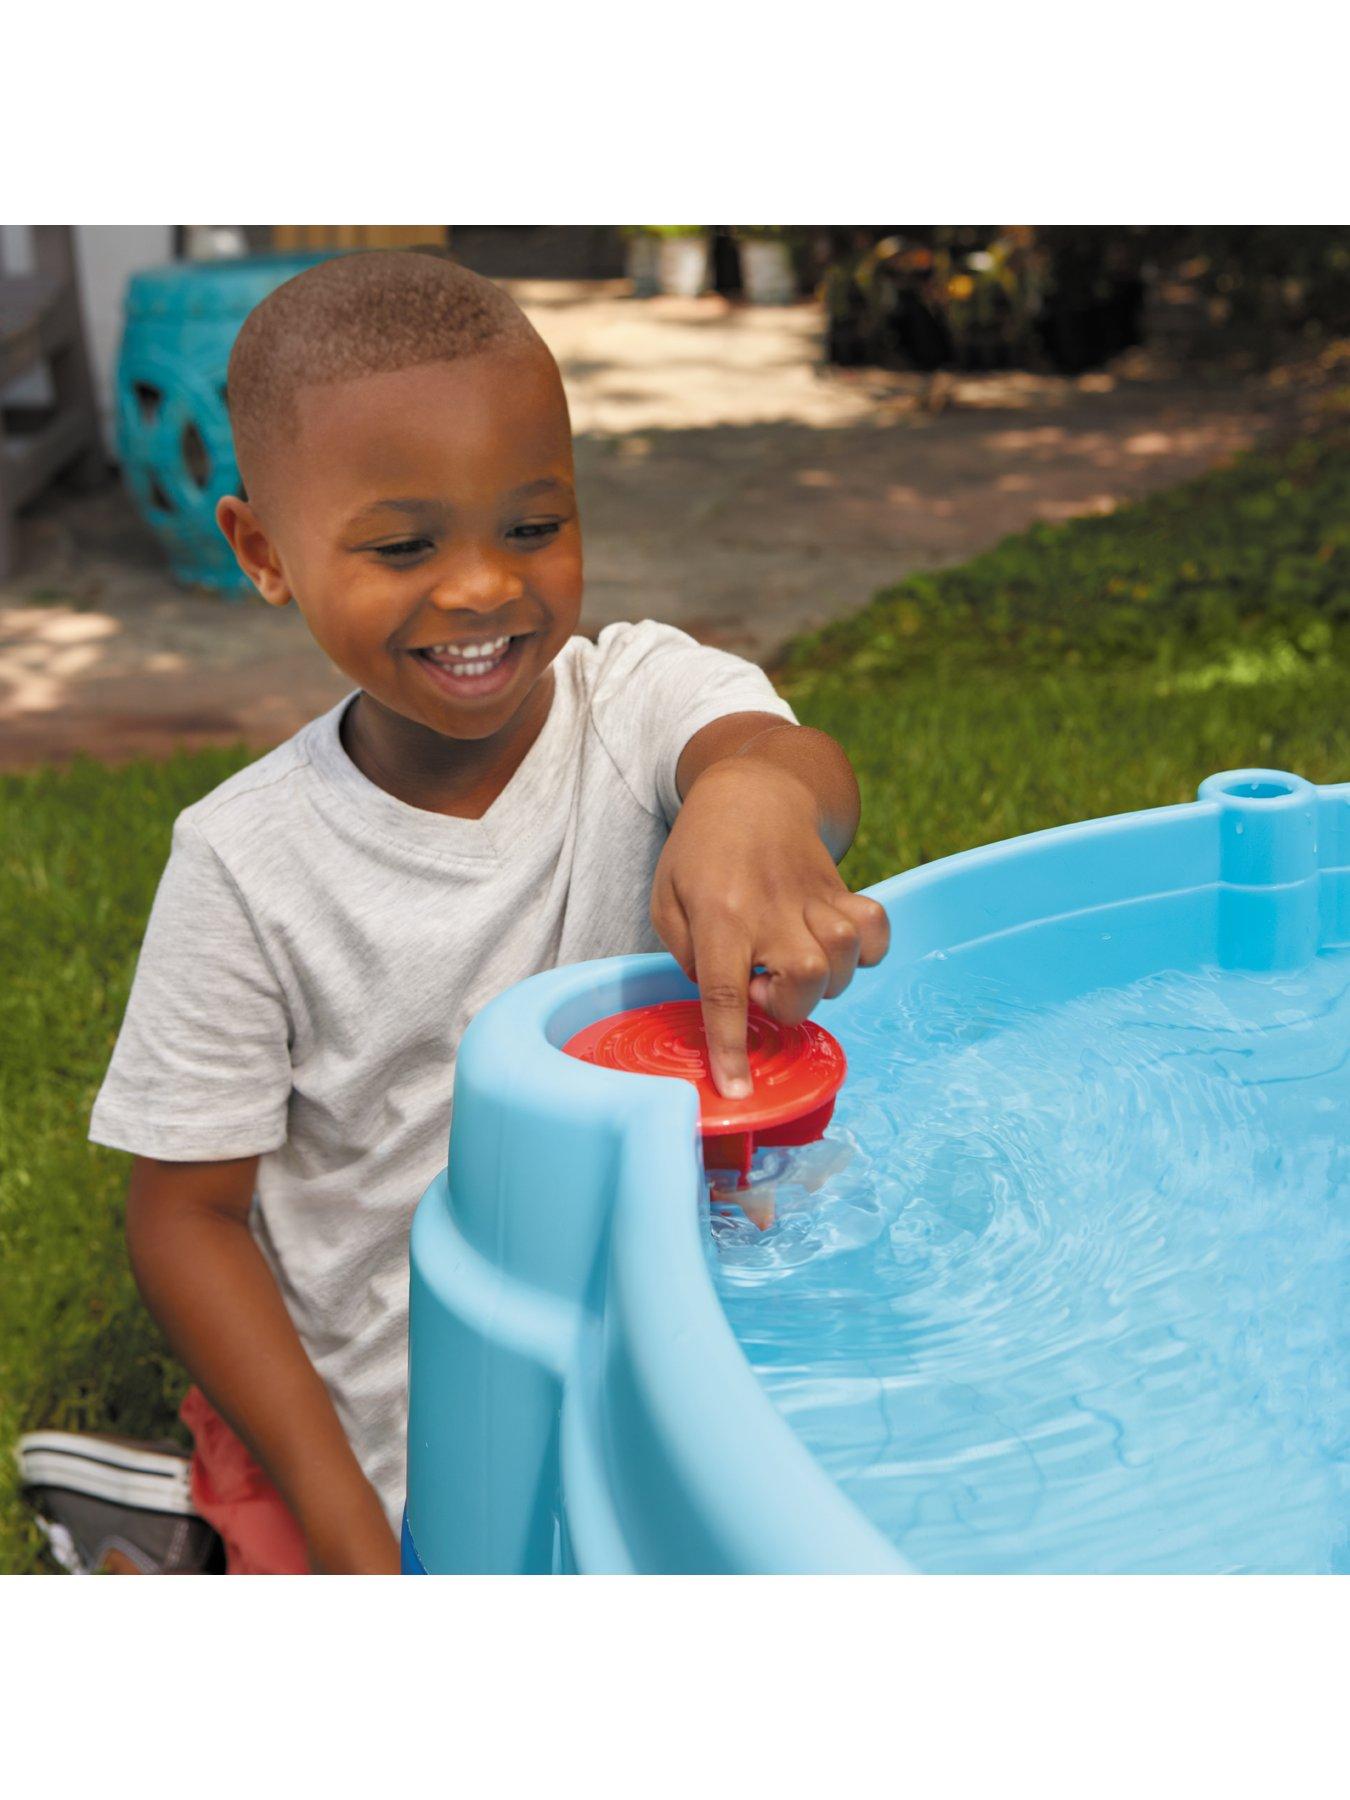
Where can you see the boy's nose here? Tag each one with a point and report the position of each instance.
(478, 582)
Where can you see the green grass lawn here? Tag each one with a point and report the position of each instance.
(1076, 670)
(1099, 666)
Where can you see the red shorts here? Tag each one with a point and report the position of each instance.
(234, 1496)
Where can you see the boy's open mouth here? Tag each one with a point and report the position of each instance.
(467, 670)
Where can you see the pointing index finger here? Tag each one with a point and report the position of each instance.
(723, 969)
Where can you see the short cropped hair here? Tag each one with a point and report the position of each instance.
(366, 313)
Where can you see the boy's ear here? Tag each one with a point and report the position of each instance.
(253, 549)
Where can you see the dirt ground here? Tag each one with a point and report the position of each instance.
(729, 483)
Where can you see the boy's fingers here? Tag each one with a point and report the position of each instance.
(723, 980)
(795, 979)
(837, 935)
(874, 928)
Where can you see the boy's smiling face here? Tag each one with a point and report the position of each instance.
(425, 523)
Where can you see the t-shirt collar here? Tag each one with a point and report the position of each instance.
(416, 827)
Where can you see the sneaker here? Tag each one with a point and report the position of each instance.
(112, 1504)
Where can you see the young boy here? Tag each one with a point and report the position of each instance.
(498, 796)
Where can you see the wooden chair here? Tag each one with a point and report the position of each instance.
(40, 325)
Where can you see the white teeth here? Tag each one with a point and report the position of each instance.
(468, 659)
(470, 652)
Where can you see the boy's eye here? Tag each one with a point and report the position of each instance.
(545, 528)
(403, 549)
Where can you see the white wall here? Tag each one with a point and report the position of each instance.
(107, 255)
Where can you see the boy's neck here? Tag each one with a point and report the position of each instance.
(460, 777)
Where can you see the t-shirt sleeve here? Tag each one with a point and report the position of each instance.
(201, 1070)
(654, 688)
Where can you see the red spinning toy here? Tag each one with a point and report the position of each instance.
(797, 1070)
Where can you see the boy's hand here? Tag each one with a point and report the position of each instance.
(746, 880)
(202, 1275)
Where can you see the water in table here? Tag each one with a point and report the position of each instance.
(1064, 1288)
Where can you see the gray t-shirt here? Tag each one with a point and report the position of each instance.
(317, 948)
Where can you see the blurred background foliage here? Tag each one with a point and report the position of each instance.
(1068, 298)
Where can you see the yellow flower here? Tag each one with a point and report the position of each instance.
(960, 287)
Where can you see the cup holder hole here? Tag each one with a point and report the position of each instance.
(1259, 790)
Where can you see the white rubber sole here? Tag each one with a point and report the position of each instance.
(152, 1479)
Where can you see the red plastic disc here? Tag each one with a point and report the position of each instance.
(796, 1069)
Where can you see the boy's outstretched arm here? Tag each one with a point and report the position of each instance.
(205, 1280)
(748, 878)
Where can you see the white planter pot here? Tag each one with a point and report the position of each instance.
(683, 265)
(767, 276)
(643, 271)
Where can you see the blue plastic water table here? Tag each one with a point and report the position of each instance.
(173, 431)
(578, 1401)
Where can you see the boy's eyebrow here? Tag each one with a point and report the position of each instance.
(412, 508)
(419, 508)
(544, 485)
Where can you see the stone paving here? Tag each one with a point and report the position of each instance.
(729, 483)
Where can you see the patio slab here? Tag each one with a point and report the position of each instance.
(729, 483)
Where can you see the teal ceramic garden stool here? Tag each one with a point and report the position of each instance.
(173, 430)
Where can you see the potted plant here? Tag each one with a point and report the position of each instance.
(768, 277)
(640, 249)
(683, 258)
